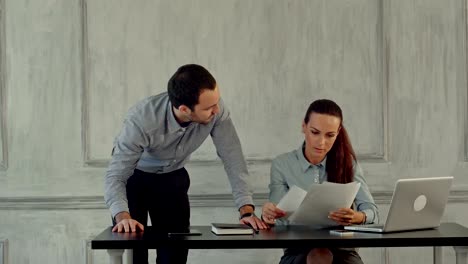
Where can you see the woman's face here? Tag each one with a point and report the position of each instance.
(320, 134)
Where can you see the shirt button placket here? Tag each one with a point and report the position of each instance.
(179, 147)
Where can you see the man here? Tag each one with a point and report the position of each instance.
(147, 174)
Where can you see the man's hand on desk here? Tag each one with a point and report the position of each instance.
(248, 217)
(126, 224)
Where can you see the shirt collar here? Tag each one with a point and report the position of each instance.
(305, 164)
(172, 123)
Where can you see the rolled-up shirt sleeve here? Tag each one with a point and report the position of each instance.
(128, 148)
(278, 186)
(364, 201)
(228, 148)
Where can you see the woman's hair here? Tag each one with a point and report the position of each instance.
(341, 156)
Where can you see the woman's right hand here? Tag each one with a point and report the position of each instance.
(270, 213)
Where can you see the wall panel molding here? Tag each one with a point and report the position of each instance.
(3, 251)
(362, 158)
(3, 74)
(88, 251)
(88, 161)
(196, 200)
(85, 83)
(464, 94)
(384, 79)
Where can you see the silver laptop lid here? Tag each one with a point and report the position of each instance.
(418, 203)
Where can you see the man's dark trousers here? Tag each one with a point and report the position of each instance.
(165, 197)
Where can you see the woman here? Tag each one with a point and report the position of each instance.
(325, 155)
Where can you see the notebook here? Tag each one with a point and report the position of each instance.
(417, 203)
(231, 229)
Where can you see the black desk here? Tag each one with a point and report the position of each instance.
(448, 234)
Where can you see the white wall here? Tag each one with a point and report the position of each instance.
(69, 70)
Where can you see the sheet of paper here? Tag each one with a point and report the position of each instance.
(322, 199)
(292, 200)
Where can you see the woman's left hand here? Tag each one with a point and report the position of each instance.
(346, 216)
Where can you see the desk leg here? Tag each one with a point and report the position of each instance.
(115, 255)
(129, 256)
(461, 253)
(438, 255)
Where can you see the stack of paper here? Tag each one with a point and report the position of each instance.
(312, 207)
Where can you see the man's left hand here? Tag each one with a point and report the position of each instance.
(252, 220)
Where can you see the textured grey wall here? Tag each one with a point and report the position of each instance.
(271, 59)
(69, 70)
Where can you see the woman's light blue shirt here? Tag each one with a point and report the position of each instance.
(292, 168)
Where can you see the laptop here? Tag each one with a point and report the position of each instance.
(417, 203)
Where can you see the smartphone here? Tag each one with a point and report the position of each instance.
(192, 232)
(341, 232)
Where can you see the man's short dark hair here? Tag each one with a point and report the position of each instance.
(187, 83)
